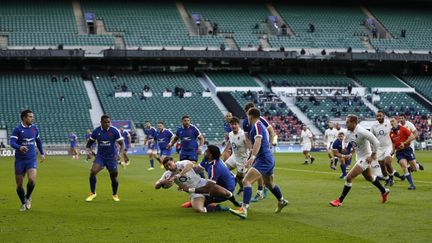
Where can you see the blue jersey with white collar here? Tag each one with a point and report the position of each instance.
(227, 127)
(73, 139)
(337, 144)
(246, 126)
(188, 137)
(163, 138)
(29, 137)
(219, 173)
(106, 140)
(125, 135)
(150, 133)
(259, 130)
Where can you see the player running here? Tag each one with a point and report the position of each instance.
(24, 139)
(342, 155)
(401, 138)
(404, 122)
(240, 147)
(163, 137)
(150, 141)
(362, 141)
(127, 141)
(107, 137)
(73, 140)
(329, 136)
(262, 162)
(306, 139)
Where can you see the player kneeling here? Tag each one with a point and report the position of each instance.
(183, 174)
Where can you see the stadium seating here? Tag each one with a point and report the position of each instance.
(401, 103)
(379, 80)
(327, 80)
(232, 79)
(45, 23)
(246, 23)
(422, 84)
(157, 24)
(416, 21)
(287, 126)
(321, 109)
(335, 26)
(203, 111)
(55, 118)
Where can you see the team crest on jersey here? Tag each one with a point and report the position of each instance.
(381, 132)
(183, 179)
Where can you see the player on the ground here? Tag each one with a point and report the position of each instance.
(306, 140)
(404, 122)
(381, 129)
(361, 140)
(262, 162)
(227, 127)
(401, 138)
(150, 141)
(24, 139)
(127, 141)
(189, 136)
(73, 140)
(342, 155)
(329, 136)
(183, 174)
(240, 147)
(262, 191)
(86, 139)
(163, 137)
(107, 137)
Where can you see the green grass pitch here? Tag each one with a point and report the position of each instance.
(59, 212)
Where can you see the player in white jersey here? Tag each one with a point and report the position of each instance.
(381, 130)
(183, 174)
(404, 122)
(361, 140)
(340, 129)
(329, 136)
(306, 139)
(240, 146)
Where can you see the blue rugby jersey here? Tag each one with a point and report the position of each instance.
(106, 140)
(26, 136)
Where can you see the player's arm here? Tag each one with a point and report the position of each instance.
(228, 146)
(187, 166)
(173, 141)
(255, 150)
(201, 140)
(129, 139)
(410, 137)
(162, 181)
(13, 141)
(248, 142)
(40, 147)
(272, 134)
(374, 144)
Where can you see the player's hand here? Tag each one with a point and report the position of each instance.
(250, 162)
(23, 149)
(174, 177)
(169, 146)
(344, 150)
(183, 188)
(42, 158)
(401, 146)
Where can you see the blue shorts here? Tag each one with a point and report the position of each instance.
(110, 164)
(407, 154)
(21, 166)
(192, 156)
(264, 165)
(73, 145)
(165, 152)
(152, 147)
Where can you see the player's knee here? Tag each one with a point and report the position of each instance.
(32, 181)
(113, 175)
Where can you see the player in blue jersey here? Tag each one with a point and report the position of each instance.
(262, 191)
(86, 139)
(127, 141)
(262, 163)
(163, 137)
(342, 155)
(189, 136)
(227, 127)
(24, 139)
(106, 137)
(150, 141)
(73, 141)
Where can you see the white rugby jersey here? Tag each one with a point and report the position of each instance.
(361, 140)
(190, 179)
(238, 144)
(330, 134)
(306, 136)
(410, 126)
(382, 133)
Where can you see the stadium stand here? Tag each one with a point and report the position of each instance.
(422, 84)
(336, 27)
(416, 21)
(379, 80)
(203, 111)
(157, 24)
(324, 80)
(246, 24)
(232, 79)
(401, 103)
(59, 106)
(45, 23)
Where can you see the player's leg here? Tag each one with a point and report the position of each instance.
(251, 176)
(367, 174)
(239, 178)
(221, 193)
(19, 178)
(198, 204)
(260, 191)
(31, 175)
(306, 159)
(96, 167)
(114, 184)
(352, 174)
(76, 152)
(125, 156)
(268, 181)
(384, 171)
(151, 158)
(342, 166)
(413, 164)
(404, 166)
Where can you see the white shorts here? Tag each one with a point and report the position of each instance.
(362, 163)
(376, 169)
(238, 163)
(329, 146)
(383, 152)
(202, 182)
(306, 147)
